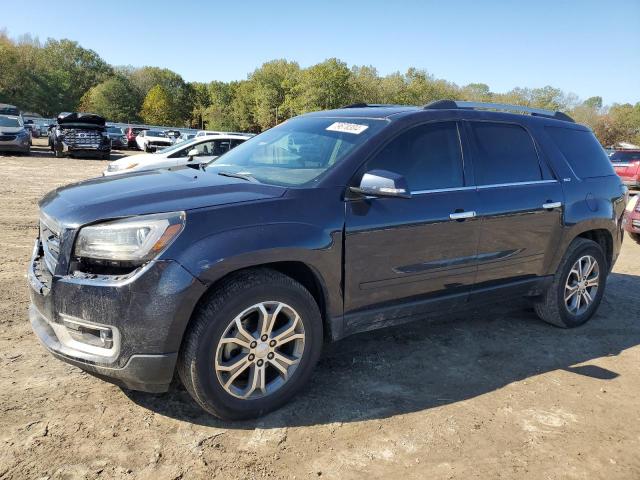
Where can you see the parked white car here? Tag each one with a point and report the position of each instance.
(208, 133)
(152, 140)
(198, 150)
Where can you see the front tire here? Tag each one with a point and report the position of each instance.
(251, 345)
(577, 287)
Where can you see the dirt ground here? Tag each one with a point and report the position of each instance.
(492, 394)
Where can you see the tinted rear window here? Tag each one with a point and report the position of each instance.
(505, 154)
(582, 151)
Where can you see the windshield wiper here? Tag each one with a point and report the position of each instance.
(243, 176)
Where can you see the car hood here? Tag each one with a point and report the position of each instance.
(152, 191)
(67, 118)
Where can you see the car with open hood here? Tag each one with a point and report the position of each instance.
(81, 135)
(201, 150)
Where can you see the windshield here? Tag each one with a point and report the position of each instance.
(114, 130)
(619, 156)
(10, 122)
(298, 151)
(155, 133)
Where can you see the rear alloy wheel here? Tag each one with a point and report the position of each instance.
(251, 345)
(581, 287)
(577, 287)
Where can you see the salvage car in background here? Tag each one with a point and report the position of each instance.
(631, 221)
(193, 152)
(627, 165)
(151, 140)
(131, 133)
(117, 137)
(80, 134)
(14, 137)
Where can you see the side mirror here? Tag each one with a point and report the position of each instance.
(192, 153)
(382, 183)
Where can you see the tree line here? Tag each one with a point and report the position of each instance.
(61, 75)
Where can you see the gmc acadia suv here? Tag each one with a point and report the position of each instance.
(233, 274)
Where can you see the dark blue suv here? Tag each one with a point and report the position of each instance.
(232, 274)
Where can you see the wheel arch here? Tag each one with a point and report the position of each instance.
(299, 271)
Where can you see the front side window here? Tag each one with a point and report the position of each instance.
(504, 153)
(428, 156)
(298, 151)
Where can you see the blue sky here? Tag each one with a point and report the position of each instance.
(585, 47)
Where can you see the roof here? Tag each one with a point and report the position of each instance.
(466, 109)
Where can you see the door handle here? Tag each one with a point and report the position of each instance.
(551, 205)
(462, 215)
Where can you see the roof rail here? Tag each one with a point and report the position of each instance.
(455, 104)
(371, 105)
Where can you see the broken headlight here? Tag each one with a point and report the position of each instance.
(129, 241)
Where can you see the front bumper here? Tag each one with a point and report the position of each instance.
(145, 314)
(19, 144)
(83, 150)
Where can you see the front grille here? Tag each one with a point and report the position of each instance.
(82, 137)
(7, 138)
(50, 239)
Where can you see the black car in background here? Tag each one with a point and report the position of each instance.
(233, 274)
(81, 135)
(117, 137)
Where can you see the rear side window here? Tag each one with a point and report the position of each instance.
(428, 156)
(505, 153)
(582, 151)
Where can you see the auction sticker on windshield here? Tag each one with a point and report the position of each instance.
(343, 127)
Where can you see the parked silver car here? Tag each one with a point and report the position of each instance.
(14, 137)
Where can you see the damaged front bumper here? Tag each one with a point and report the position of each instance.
(125, 329)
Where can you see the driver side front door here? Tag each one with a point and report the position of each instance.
(406, 257)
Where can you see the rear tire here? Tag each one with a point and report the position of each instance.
(204, 363)
(570, 301)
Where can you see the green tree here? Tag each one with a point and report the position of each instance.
(70, 70)
(272, 90)
(323, 86)
(158, 108)
(115, 99)
(146, 78)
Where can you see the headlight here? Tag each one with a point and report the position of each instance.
(116, 167)
(23, 133)
(133, 240)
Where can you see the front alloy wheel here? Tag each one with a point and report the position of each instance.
(259, 350)
(252, 344)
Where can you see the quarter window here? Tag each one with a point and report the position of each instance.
(504, 153)
(428, 156)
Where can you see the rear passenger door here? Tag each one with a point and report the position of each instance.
(520, 205)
